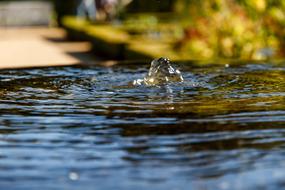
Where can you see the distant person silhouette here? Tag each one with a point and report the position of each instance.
(87, 9)
(110, 8)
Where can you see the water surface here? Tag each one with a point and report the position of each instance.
(88, 128)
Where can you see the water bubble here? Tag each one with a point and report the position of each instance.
(73, 176)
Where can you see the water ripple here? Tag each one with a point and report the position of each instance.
(81, 127)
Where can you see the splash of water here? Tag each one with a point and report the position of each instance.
(161, 72)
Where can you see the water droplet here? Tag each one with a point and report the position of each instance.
(73, 176)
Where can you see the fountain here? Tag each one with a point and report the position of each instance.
(161, 72)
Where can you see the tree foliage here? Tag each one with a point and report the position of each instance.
(247, 29)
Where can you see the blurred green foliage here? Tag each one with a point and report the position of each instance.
(246, 29)
(239, 29)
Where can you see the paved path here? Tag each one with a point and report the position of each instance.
(39, 47)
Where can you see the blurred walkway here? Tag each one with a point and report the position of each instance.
(40, 47)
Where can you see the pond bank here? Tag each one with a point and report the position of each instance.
(119, 42)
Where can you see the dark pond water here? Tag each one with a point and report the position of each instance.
(86, 128)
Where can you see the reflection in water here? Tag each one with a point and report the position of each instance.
(222, 128)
